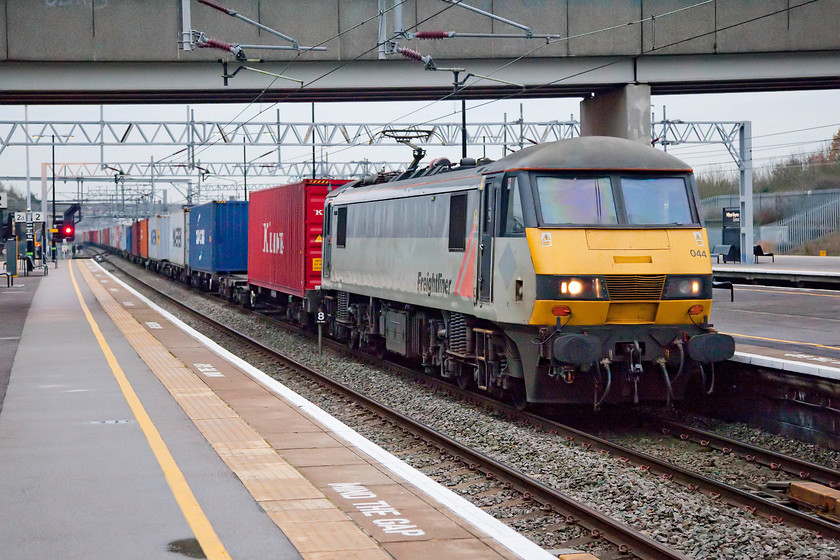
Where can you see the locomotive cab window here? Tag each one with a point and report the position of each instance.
(341, 227)
(513, 218)
(656, 200)
(576, 200)
(458, 222)
(328, 220)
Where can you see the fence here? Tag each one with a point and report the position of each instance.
(803, 227)
(811, 215)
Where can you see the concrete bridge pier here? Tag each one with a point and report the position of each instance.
(623, 112)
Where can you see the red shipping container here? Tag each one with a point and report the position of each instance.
(143, 246)
(285, 224)
(135, 238)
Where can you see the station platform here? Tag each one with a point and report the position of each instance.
(124, 434)
(792, 330)
(787, 270)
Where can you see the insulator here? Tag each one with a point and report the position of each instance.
(432, 34)
(414, 55)
(217, 7)
(216, 44)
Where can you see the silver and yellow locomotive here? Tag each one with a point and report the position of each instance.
(570, 272)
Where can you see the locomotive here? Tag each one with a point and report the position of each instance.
(571, 272)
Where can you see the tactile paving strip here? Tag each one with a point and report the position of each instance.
(311, 522)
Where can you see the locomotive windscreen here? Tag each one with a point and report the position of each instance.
(613, 200)
(576, 200)
(662, 200)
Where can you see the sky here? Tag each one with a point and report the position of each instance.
(783, 124)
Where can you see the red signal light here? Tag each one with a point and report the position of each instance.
(68, 230)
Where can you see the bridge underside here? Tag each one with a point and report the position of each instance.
(202, 82)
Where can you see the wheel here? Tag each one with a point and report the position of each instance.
(464, 377)
(380, 350)
(518, 396)
(352, 342)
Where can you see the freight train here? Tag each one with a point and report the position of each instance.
(569, 272)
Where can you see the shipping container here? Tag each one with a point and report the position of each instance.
(218, 240)
(106, 237)
(284, 236)
(143, 240)
(158, 237)
(176, 238)
(128, 241)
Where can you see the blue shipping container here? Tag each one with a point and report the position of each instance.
(129, 238)
(219, 237)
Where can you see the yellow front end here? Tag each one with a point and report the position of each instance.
(633, 265)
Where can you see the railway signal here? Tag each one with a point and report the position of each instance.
(63, 231)
(68, 232)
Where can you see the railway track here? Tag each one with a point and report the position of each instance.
(798, 468)
(541, 499)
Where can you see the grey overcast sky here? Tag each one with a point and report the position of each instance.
(783, 124)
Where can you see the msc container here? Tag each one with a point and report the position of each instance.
(143, 239)
(129, 234)
(176, 237)
(284, 235)
(218, 240)
(158, 237)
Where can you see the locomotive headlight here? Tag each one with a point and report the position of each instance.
(570, 287)
(688, 287)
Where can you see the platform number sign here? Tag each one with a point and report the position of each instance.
(4, 200)
(29, 217)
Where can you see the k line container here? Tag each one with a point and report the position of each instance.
(219, 237)
(284, 235)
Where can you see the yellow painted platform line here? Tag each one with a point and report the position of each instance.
(814, 344)
(200, 525)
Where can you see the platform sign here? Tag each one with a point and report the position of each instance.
(732, 217)
(29, 217)
(4, 200)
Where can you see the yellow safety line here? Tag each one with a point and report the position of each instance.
(786, 292)
(200, 525)
(781, 340)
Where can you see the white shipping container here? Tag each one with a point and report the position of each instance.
(159, 238)
(123, 246)
(176, 238)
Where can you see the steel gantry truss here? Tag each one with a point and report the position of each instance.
(188, 172)
(192, 134)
